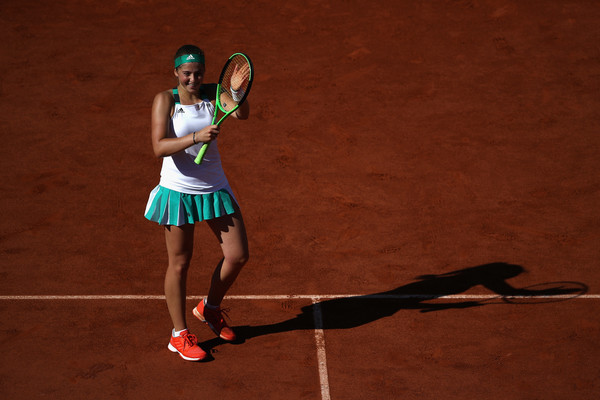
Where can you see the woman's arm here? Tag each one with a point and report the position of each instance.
(243, 112)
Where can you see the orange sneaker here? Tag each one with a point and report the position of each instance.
(187, 347)
(214, 319)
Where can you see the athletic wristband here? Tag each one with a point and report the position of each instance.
(236, 94)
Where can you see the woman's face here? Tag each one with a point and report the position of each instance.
(190, 76)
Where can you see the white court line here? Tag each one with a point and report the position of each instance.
(321, 354)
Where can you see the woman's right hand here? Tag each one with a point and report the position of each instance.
(207, 134)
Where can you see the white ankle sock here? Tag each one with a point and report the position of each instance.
(178, 333)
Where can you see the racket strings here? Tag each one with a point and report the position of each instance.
(228, 98)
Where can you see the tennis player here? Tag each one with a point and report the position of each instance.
(188, 193)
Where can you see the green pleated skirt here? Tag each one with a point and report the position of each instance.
(169, 207)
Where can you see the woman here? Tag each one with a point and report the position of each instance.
(189, 193)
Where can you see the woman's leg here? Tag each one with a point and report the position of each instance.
(231, 232)
(180, 247)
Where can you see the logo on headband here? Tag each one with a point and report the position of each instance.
(199, 58)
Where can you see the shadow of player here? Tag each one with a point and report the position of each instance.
(351, 312)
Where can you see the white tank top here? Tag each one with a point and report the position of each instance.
(179, 171)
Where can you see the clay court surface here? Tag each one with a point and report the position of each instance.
(407, 164)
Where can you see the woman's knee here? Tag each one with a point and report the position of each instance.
(179, 267)
(238, 259)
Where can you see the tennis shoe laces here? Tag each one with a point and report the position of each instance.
(187, 346)
(215, 320)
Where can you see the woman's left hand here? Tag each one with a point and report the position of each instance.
(239, 75)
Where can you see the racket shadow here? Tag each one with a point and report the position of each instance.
(355, 311)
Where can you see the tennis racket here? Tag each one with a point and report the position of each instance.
(232, 90)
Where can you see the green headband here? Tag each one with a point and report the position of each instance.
(186, 58)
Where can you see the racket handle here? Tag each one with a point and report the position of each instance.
(201, 153)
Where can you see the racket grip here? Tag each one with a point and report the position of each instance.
(201, 153)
